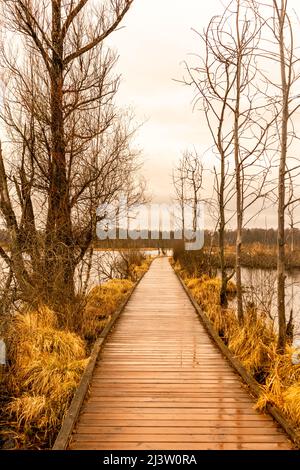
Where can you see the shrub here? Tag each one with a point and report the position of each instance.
(132, 264)
(102, 302)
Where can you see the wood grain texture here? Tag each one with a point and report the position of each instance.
(161, 382)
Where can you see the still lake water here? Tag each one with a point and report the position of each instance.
(260, 287)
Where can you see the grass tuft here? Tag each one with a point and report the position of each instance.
(102, 302)
(45, 368)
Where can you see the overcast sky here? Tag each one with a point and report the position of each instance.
(157, 37)
(156, 40)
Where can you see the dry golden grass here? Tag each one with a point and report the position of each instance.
(46, 366)
(102, 302)
(52, 377)
(61, 343)
(253, 343)
(28, 409)
(138, 271)
(291, 400)
(33, 336)
(282, 387)
(206, 292)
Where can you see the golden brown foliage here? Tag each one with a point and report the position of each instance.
(46, 366)
(102, 302)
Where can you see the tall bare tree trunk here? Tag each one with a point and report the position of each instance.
(281, 188)
(60, 265)
(182, 202)
(195, 203)
(239, 199)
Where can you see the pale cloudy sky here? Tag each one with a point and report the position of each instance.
(157, 37)
(156, 40)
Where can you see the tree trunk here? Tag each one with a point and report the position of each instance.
(183, 210)
(223, 292)
(281, 194)
(239, 286)
(281, 268)
(195, 205)
(238, 182)
(59, 243)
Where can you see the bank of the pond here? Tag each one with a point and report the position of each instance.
(259, 256)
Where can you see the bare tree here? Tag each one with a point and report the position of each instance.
(71, 144)
(179, 185)
(225, 85)
(280, 50)
(194, 181)
(213, 85)
(188, 184)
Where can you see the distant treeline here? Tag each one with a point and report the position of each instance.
(164, 240)
(161, 239)
(258, 235)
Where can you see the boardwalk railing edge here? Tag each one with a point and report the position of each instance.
(239, 368)
(68, 424)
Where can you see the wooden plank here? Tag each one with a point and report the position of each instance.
(167, 401)
(140, 445)
(183, 387)
(177, 423)
(153, 375)
(169, 414)
(170, 430)
(216, 415)
(110, 395)
(234, 393)
(98, 405)
(187, 438)
(167, 381)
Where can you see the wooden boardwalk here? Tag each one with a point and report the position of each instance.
(160, 382)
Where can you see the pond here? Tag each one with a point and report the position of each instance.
(260, 288)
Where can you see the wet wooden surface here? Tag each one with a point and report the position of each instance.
(160, 382)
